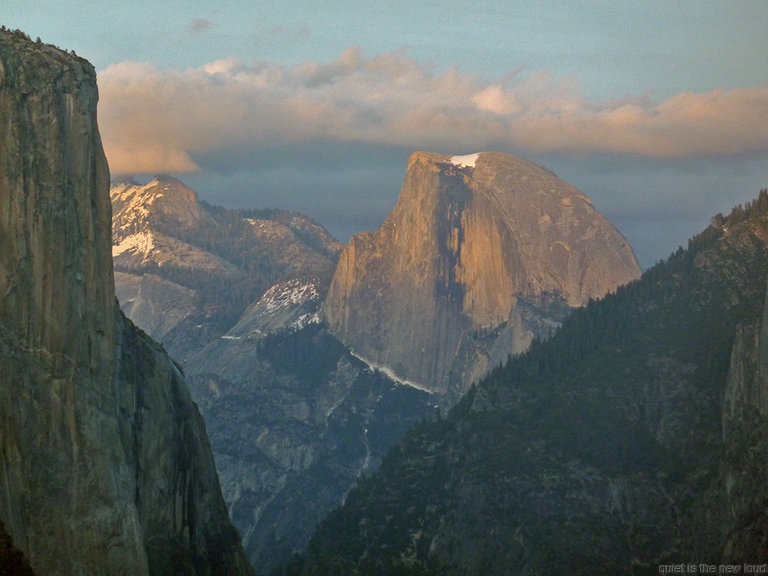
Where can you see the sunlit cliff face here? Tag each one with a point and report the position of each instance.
(89, 486)
(473, 245)
(56, 281)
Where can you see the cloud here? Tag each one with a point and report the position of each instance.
(199, 25)
(164, 120)
(291, 33)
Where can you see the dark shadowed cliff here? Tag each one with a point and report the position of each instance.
(480, 255)
(105, 466)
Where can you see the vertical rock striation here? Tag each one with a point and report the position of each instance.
(104, 462)
(745, 429)
(480, 255)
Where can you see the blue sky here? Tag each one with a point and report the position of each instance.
(657, 110)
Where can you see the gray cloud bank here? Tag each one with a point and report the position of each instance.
(154, 120)
(332, 138)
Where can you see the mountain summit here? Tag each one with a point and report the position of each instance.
(182, 265)
(147, 220)
(481, 254)
(173, 200)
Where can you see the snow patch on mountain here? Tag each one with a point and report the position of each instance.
(389, 373)
(464, 161)
(287, 294)
(142, 244)
(292, 305)
(134, 202)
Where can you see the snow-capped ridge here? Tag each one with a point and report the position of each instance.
(292, 305)
(145, 218)
(142, 244)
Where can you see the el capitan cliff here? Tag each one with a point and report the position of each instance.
(105, 466)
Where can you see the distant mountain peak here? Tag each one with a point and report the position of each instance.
(122, 180)
(480, 244)
(164, 200)
(147, 220)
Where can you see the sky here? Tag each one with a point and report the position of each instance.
(656, 110)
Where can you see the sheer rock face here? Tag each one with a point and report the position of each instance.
(479, 251)
(104, 462)
(745, 428)
(55, 273)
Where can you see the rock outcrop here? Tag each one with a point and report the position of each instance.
(105, 466)
(745, 435)
(481, 254)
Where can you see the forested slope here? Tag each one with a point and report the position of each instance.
(601, 450)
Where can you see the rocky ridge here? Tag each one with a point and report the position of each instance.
(287, 305)
(105, 462)
(186, 270)
(481, 254)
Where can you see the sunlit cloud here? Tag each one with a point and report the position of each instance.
(160, 120)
